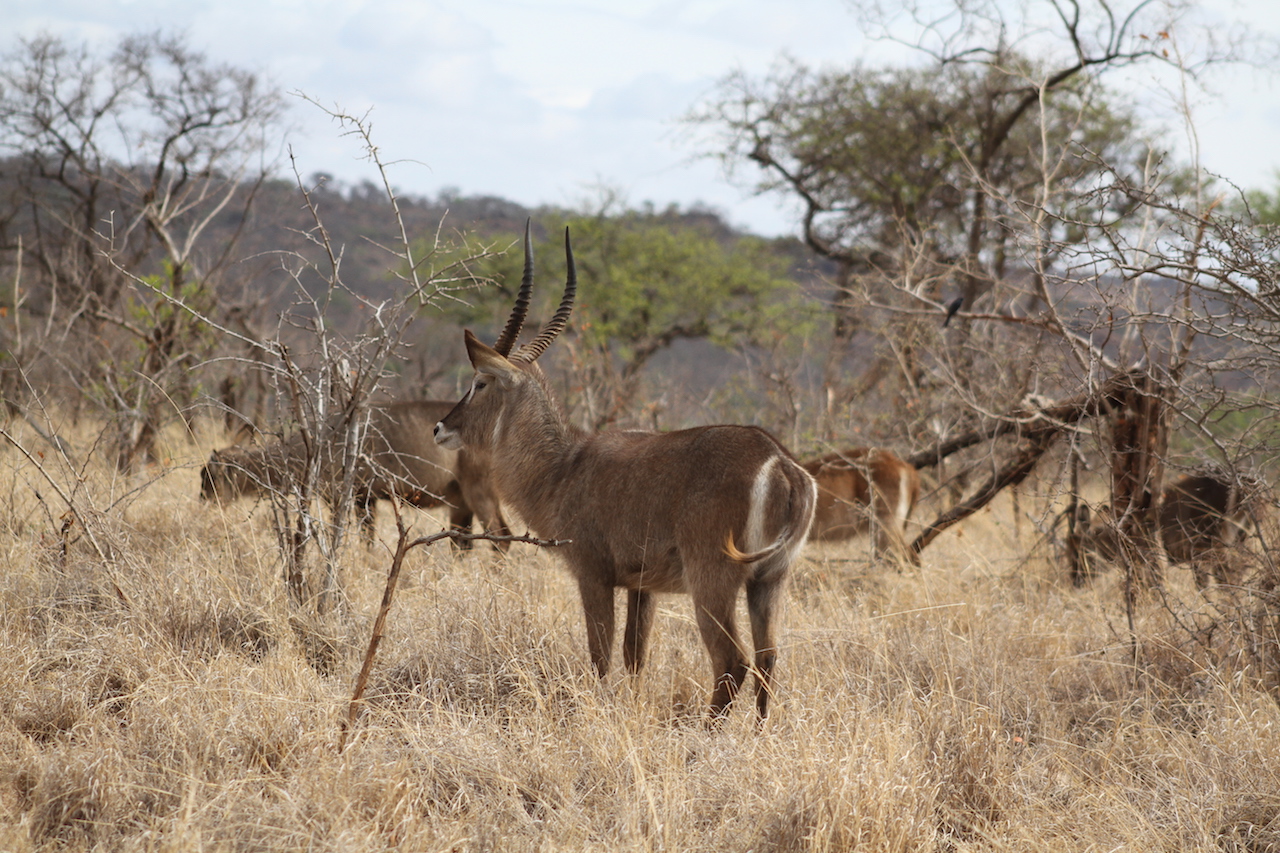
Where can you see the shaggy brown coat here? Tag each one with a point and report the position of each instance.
(1202, 516)
(399, 457)
(706, 511)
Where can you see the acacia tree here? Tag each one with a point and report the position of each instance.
(119, 164)
(646, 281)
(648, 285)
(917, 181)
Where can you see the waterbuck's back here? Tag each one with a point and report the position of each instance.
(237, 472)
(1200, 512)
(405, 457)
(1201, 518)
(398, 457)
(649, 507)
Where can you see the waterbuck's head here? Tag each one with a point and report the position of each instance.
(505, 380)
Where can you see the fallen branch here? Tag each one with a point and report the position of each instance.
(1010, 475)
(404, 546)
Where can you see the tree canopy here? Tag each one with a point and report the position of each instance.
(964, 175)
(646, 281)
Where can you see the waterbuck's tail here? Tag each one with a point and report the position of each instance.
(731, 549)
(801, 503)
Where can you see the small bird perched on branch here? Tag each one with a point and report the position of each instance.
(952, 308)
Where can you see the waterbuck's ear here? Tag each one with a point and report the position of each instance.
(485, 359)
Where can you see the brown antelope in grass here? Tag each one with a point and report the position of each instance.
(1202, 518)
(399, 457)
(861, 489)
(704, 511)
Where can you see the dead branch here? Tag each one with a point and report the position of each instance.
(1064, 414)
(1037, 438)
(404, 546)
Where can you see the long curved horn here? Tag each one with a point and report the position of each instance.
(536, 347)
(516, 320)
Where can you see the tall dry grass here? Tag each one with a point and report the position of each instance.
(174, 700)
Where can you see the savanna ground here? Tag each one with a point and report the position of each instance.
(174, 700)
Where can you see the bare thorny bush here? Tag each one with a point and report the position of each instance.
(324, 380)
(1176, 296)
(320, 379)
(1211, 344)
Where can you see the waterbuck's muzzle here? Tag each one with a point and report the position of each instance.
(446, 438)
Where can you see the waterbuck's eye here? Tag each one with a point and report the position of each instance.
(480, 384)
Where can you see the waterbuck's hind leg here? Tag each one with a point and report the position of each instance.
(763, 593)
(641, 607)
(888, 528)
(894, 543)
(714, 611)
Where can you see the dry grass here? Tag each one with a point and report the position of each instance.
(174, 701)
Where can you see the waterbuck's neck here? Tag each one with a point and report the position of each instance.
(533, 446)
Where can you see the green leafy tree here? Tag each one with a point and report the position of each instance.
(1265, 204)
(645, 282)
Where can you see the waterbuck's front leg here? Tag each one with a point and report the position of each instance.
(460, 514)
(476, 490)
(641, 607)
(597, 606)
(366, 506)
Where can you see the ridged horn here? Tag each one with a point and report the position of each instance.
(516, 320)
(536, 347)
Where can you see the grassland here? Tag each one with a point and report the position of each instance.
(172, 699)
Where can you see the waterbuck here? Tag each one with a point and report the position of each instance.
(1201, 516)
(861, 489)
(704, 511)
(399, 457)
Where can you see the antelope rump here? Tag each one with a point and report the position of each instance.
(863, 489)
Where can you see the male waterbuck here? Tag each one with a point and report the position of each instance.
(863, 489)
(398, 457)
(704, 511)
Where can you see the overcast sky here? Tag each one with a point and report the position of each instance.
(543, 101)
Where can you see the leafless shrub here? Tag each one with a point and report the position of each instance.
(325, 381)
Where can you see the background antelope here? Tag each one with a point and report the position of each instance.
(861, 489)
(1201, 517)
(399, 457)
(704, 511)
